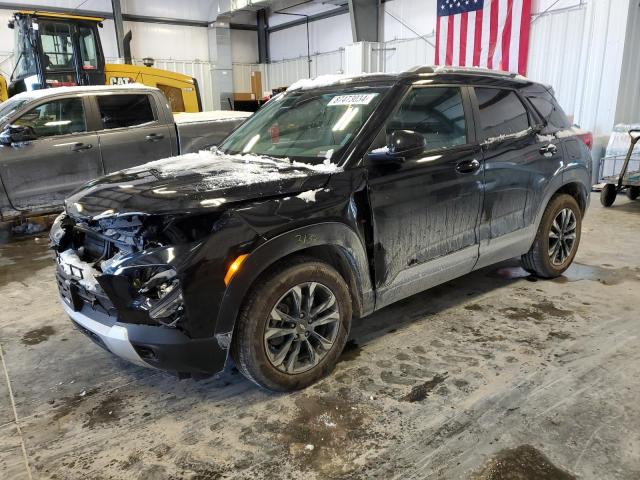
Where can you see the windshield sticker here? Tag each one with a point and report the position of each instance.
(357, 99)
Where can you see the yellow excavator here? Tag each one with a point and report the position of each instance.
(56, 49)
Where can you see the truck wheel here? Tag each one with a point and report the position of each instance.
(557, 240)
(633, 192)
(608, 195)
(293, 326)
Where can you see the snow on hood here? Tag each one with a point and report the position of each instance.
(221, 170)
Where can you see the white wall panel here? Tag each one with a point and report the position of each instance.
(168, 41)
(244, 46)
(325, 35)
(184, 9)
(400, 55)
(415, 17)
(555, 66)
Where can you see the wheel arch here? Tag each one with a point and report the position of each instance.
(332, 242)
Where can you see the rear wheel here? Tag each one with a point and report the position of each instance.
(608, 195)
(557, 240)
(293, 326)
(633, 193)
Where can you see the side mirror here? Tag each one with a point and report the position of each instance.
(402, 144)
(17, 134)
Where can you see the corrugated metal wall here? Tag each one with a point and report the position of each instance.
(286, 72)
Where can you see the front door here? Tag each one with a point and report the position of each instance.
(131, 133)
(63, 157)
(426, 208)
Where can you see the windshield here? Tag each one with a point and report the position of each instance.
(10, 106)
(311, 126)
(57, 45)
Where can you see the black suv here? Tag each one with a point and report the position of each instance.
(339, 197)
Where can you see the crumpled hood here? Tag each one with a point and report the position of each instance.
(196, 181)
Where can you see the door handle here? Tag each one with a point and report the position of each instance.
(154, 137)
(80, 147)
(468, 166)
(549, 150)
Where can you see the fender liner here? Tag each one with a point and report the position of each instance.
(334, 234)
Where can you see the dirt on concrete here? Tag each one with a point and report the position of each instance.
(491, 376)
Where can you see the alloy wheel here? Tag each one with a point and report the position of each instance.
(562, 236)
(302, 327)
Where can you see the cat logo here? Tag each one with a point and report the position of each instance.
(120, 80)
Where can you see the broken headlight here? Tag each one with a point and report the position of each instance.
(159, 293)
(59, 229)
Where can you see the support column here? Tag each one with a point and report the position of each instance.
(364, 20)
(263, 37)
(117, 20)
(222, 67)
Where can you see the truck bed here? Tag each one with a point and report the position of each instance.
(197, 131)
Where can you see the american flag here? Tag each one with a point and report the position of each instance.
(483, 33)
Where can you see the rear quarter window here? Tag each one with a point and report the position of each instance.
(551, 111)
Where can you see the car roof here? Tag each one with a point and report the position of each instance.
(443, 73)
(46, 92)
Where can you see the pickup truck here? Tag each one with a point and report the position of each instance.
(55, 140)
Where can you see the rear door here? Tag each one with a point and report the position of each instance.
(131, 132)
(510, 151)
(65, 155)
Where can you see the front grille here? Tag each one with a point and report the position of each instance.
(76, 295)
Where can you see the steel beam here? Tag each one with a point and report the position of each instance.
(365, 20)
(117, 20)
(311, 18)
(263, 37)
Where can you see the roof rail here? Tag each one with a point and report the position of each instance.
(450, 69)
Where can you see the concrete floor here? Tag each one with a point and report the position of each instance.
(491, 376)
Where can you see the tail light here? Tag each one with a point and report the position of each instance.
(587, 138)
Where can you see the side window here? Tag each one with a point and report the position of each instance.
(119, 111)
(60, 117)
(501, 112)
(434, 112)
(551, 111)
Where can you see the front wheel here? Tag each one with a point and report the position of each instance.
(557, 239)
(293, 326)
(608, 195)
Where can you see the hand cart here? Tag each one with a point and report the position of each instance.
(628, 180)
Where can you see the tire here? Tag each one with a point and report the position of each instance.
(539, 259)
(633, 192)
(608, 195)
(260, 358)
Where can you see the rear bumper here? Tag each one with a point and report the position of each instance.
(150, 346)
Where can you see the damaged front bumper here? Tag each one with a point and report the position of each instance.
(150, 346)
(130, 333)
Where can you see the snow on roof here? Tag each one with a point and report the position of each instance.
(327, 80)
(35, 94)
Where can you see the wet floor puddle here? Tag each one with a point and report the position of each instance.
(19, 260)
(577, 272)
(521, 463)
